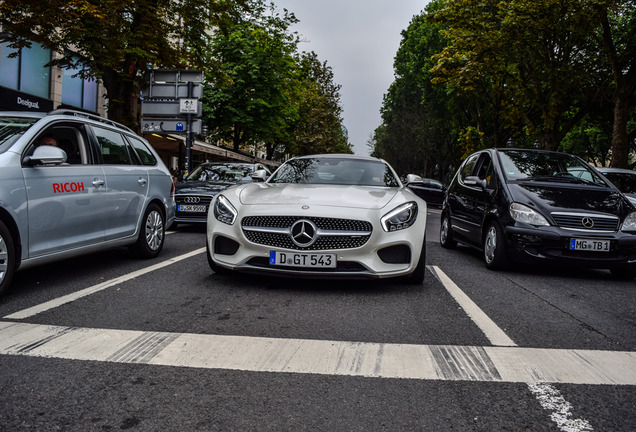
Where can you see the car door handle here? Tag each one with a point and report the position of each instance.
(142, 181)
(98, 182)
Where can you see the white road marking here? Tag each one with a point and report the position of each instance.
(306, 356)
(494, 334)
(504, 362)
(548, 396)
(42, 307)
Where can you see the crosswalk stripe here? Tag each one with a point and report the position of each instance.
(305, 356)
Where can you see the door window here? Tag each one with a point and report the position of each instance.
(70, 137)
(114, 149)
(467, 169)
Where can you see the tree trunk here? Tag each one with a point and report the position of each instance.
(119, 92)
(620, 139)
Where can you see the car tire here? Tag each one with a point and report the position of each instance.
(445, 233)
(214, 266)
(7, 258)
(624, 272)
(417, 277)
(494, 247)
(151, 234)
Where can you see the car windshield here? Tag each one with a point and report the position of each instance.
(547, 166)
(332, 170)
(221, 173)
(12, 128)
(625, 182)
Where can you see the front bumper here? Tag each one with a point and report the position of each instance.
(551, 245)
(383, 255)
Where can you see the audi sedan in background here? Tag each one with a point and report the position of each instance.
(322, 216)
(193, 195)
(534, 206)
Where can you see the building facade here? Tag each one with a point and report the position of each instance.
(28, 84)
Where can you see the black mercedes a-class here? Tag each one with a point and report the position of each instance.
(535, 206)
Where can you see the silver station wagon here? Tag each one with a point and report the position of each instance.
(73, 183)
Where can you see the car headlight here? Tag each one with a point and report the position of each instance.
(629, 224)
(224, 211)
(400, 218)
(525, 214)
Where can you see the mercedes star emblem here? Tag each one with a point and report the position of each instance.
(303, 232)
(587, 222)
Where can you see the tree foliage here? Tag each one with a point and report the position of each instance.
(417, 133)
(319, 127)
(556, 74)
(261, 90)
(251, 81)
(116, 41)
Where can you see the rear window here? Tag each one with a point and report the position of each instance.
(12, 128)
(146, 156)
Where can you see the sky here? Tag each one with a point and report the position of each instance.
(358, 39)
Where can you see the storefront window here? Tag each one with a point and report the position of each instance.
(77, 91)
(26, 72)
(9, 67)
(34, 77)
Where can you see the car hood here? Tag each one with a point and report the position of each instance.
(320, 195)
(212, 188)
(551, 198)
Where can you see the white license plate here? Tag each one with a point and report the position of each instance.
(299, 259)
(192, 208)
(590, 245)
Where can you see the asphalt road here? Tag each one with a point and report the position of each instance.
(109, 342)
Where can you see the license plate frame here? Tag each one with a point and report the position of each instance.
(589, 245)
(303, 259)
(190, 208)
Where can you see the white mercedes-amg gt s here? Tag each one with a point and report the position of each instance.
(321, 216)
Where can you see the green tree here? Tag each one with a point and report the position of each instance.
(616, 37)
(116, 41)
(251, 82)
(319, 127)
(418, 129)
(534, 55)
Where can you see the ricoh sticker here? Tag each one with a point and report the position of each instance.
(68, 187)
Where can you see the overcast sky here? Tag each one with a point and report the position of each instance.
(358, 39)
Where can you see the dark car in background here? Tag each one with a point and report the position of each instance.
(430, 190)
(623, 179)
(534, 206)
(194, 194)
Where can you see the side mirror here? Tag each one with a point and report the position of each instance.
(412, 178)
(46, 155)
(260, 175)
(475, 181)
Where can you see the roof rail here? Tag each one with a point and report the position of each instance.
(75, 113)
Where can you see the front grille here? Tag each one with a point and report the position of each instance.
(342, 266)
(334, 233)
(203, 200)
(586, 222)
